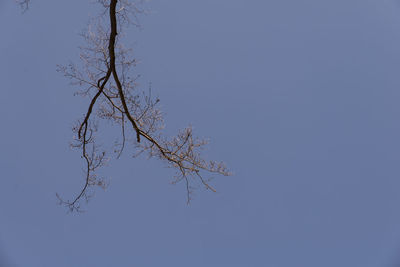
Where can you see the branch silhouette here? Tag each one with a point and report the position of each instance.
(105, 76)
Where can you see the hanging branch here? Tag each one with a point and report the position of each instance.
(105, 77)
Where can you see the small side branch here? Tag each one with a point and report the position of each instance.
(24, 4)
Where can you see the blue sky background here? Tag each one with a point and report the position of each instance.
(300, 99)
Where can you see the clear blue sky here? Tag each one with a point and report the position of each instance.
(300, 98)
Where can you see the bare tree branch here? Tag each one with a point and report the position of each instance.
(106, 77)
(24, 4)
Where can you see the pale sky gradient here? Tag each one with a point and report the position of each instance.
(300, 98)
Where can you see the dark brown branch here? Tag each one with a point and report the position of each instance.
(113, 34)
(89, 112)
